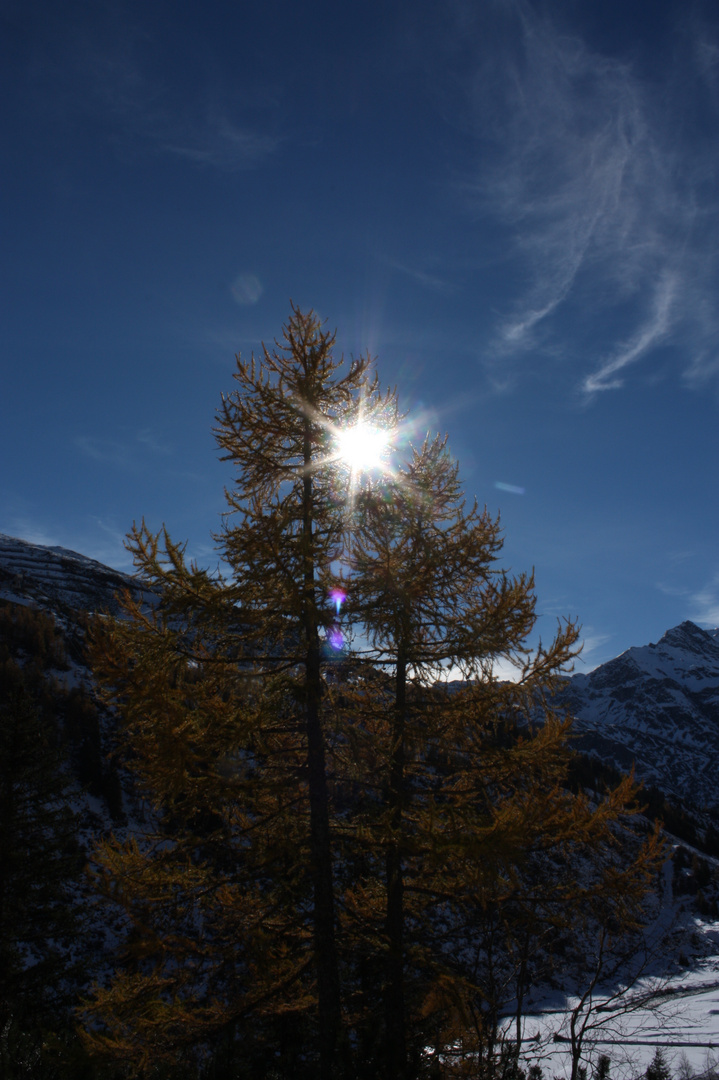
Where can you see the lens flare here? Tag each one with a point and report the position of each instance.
(338, 597)
(335, 637)
(363, 447)
(247, 289)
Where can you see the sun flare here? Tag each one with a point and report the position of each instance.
(363, 447)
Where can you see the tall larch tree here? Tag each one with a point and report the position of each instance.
(468, 803)
(426, 592)
(348, 862)
(220, 684)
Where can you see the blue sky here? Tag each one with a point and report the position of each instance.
(514, 206)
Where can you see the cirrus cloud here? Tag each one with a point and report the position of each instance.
(601, 179)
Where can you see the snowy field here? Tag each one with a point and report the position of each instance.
(679, 1013)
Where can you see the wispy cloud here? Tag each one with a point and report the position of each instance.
(707, 60)
(705, 603)
(25, 528)
(651, 333)
(422, 277)
(247, 289)
(147, 437)
(108, 69)
(610, 216)
(213, 140)
(129, 452)
(700, 605)
(593, 652)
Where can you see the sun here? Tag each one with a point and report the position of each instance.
(363, 447)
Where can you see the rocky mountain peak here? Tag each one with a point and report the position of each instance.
(690, 637)
(656, 707)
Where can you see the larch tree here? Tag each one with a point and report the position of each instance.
(220, 685)
(469, 803)
(424, 589)
(346, 863)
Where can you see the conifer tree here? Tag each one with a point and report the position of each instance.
(424, 587)
(469, 805)
(222, 692)
(336, 834)
(659, 1069)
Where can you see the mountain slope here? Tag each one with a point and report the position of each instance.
(656, 706)
(57, 579)
(46, 595)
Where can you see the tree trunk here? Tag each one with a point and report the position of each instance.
(396, 1049)
(328, 986)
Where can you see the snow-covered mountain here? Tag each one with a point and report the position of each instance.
(656, 707)
(56, 579)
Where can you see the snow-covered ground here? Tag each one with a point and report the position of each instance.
(679, 1013)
